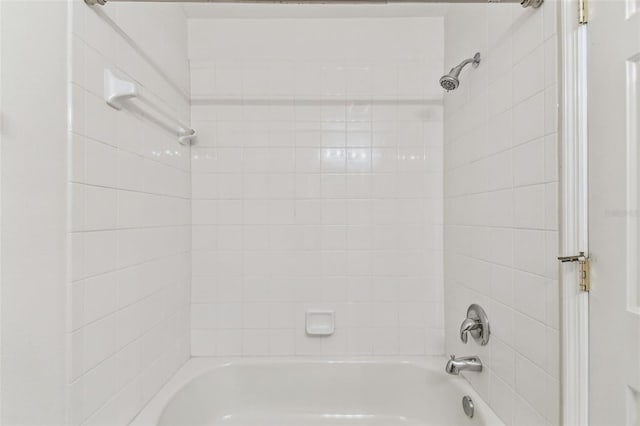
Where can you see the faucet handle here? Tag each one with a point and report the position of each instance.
(452, 356)
(469, 326)
(477, 324)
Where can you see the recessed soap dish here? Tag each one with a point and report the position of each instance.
(320, 322)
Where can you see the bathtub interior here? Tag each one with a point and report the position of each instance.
(322, 393)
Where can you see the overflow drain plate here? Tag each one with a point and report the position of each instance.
(467, 406)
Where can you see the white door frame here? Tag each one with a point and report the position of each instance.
(574, 304)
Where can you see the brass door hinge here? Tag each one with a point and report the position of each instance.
(584, 269)
(583, 11)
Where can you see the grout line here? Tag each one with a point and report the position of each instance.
(139, 50)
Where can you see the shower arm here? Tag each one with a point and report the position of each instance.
(524, 3)
(464, 63)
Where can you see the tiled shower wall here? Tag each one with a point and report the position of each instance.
(501, 189)
(317, 183)
(130, 186)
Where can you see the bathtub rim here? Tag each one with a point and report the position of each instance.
(198, 366)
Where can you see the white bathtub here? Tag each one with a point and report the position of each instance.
(314, 392)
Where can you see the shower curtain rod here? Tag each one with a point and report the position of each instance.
(524, 3)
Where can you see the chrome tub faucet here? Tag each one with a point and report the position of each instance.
(456, 365)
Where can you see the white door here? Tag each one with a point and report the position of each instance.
(614, 193)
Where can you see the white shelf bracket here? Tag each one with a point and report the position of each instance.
(117, 90)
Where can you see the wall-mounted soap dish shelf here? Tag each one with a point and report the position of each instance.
(320, 322)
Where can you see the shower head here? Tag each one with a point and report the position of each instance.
(450, 80)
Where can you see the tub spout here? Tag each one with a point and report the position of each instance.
(456, 365)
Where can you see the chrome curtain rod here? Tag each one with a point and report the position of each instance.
(524, 3)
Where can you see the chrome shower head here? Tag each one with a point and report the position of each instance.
(450, 81)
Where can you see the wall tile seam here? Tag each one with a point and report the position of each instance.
(212, 175)
(544, 368)
(497, 228)
(352, 275)
(300, 113)
(421, 164)
(81, 89)
(119, 309)
(317, 224)
(531, 52)
(514, 388)
(167, 105)
(511, 267)
(214, 94)
(545, 414)
(464, 136)
(425, 328)
(137, 154)
(493, 115)
(353, 96)
(242, 105)
(302, 101)
(141, 158)
(496, 191)
(82, 183)
(437, 299)
(463, 139)
(484, 98)
(88, 230)
(503, 342)
(133, 228)
(360, 275)
(485, 226)
(512, 108)
(544, 183)
(123, 267)
(553, 84)
(307, 301)
(127, 228)
(545, 277)
(344, 64)
(433, 149)
(122, 35)
(549, 36)
(129, 190)
(507, 307)
(514, 391)
(385, 276)
(458, 195)
(345, 61)
(319, 123)
(118, 151)
(130, 228)
(503, 228)
(115, 353)
(336, 199)
(111, 398)
(306, 99)
(130, 305)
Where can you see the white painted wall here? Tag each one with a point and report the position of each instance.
(501, 228)
(317, 183)
(129, 229)
(33, 210)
